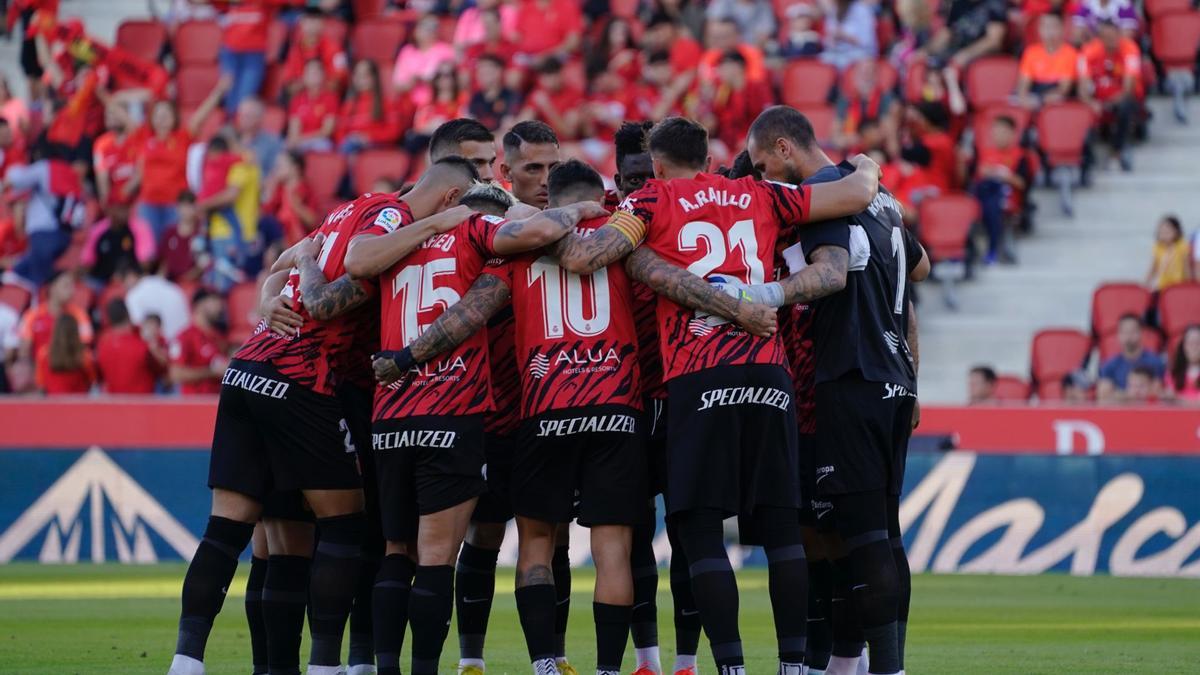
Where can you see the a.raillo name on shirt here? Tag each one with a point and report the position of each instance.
(255, 384)
(771, 396)
(717, 197)
(416, 438)
(624, 424)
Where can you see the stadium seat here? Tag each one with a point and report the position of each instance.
(1056, 352)
(1048, 392)
(1011, 389)
(196, 42)
(144, 38)
(370, 165)
(1110, 346)
(277, 36)
(378, 40)
(275, 119)
(983, 120)
(914, 82)
(1178, 308)
(272, 86)
(243, 311)
(323, 172)
(15, 297)
(807, 83)
(1062, 130)
(367, 9)
(1156, 8)
(824, 121)
(946, 222)
(194, 83)
(212, 124)
(626, 9)
(1174, 39)
(335, 29)
(1112, 301)
(990, 80)
(886, 76)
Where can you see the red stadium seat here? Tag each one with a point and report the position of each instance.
(335, 29)
(378, 40)
(197, 42)
(1011, 389)
(1050, 391)
(985, 117)
(243, 311)
(367, 9)
(807, 83)
(323, 172)
(824, 121)
(194, 83)
(886, 76)
(1175, 38)
(15, 297)
(143, 38)
(1178, 308)
(1056, 352)
(946, 221)
(1112, 301)
(1156, 8)
(372, 165)
(1062, 132)
(626, 9)
(212, 124)
(991, 79)
(1110, 346)
(275, 119)
(272, 86)
(277, 36)
(914, 82)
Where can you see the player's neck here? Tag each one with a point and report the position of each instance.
(813, 161)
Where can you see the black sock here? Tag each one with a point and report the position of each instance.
(207, 579)
(334, 581)
(429, 608)
(474, 588)
(285, 596)
(876, 597)
(362, 639)
(687, 617)
(788, 581)
(713, 584)
(847, 632)
(535, 606)
(560, 567)
(905, 583)
(820, 626)
(389, 602)
(612, 632)
(644, 621)
(254, 614)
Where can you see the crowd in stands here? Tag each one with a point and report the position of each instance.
(146, 183)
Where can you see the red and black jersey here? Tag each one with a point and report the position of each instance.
(713, 226)
(414, 293)
(795, 327)
(645, 320)
(506, 384)
(576, 342)
(324, 353)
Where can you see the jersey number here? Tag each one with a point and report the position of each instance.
(561, 289)
(416, 282)
(901, 268)
(720, 245)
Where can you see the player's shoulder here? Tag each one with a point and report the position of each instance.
(384, 210)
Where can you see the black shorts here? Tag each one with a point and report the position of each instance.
(357, 407)
(426, 464)
(287, 505)
(656, 445)
(596, 452)
(272, 434)
(731, 440)
(495, 505)
(807, 444)
(862, 436)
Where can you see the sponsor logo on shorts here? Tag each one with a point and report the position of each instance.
(591, 424)
(896, 391)
(255, 384)
(821, 509)
(776, 398)
(416, 438)
(824, 472)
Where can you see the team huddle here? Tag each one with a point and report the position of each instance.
(437, 362)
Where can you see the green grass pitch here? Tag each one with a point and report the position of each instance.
(121, 619)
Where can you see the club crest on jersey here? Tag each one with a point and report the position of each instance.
(717, 197)
(388, 219)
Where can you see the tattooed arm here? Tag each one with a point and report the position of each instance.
(322, 298)
(460, 321)
(543, 228)
(689, 290)
(370, 255)
(584, 255)
(824, 275)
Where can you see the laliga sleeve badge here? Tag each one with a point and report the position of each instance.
(388, 219)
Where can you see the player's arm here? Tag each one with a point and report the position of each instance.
(460, 321)
(606, 245)
(920, 271)
(542, 228)
(824, 275)
(845, 197)
(324, 299)
(689, 290)
(370, 255)
(274, 306)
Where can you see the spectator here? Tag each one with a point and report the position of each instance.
(687, 14)
(981, 385)
(155, 295)
(1195, 246)
(126, 363)
(243, 55)
(866, 100)
(555, 101)
(53, 208)
(1091, 14)
(161, 174)
(116, 242)
(606, 109)
(470, 29)
(38, 322)
(1002, 173)
(547, 28)
(1170, 263)
(265, 144)
(614, 52)
(495, 42)
(288, 201)
(735, 102)
(365, 119)
(665, 34)
(13, 110)
(160, 350)
(1183, 382)
(308, 43)
(493, 105)
(1114, 373)
(65, 366)
(915, 18)
(849, 33)
(114, 155)
(660, 92)
(182, 250)
(1111, 82)
(1048, 68)
(198, 354)
(801, 38)
(1076, 388)
(723, 37)
(446, 105)
(12, 148)
(928, 128)
(1143, 386)
(419, 60)
(973, 28)
(230, 197)
(755, 19)
(312, 113)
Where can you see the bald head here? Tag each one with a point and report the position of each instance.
(441, 186)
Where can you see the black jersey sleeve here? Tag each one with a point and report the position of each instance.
(912, 249)
(834, 232)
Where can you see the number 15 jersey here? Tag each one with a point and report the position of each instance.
(712, 225)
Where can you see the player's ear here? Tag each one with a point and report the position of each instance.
(451, 197)
(617, 180)
(657, 165)
(506, 172)
(708, 164)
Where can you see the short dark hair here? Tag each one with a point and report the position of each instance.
(203, 293)
(781, 121)
(570, 175)
(658, 57)
(1176, 224)
(187, 197)
(529, 131)
(681, 141)
(741, 167)
(297, 158)
(550, 65)
(1143, 369)
(733, 56)
(447, 138)
(492, 58)
(934, 113)
(986, 372)
(218, 144)
(460, 164)
(1006, 120)
(116, 312)
(631, 139)
(660, 18)
(1130, 316)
